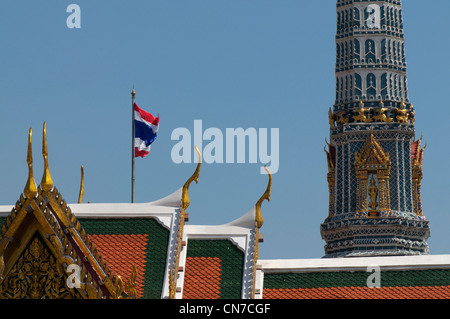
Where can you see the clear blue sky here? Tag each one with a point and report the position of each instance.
(229, 63)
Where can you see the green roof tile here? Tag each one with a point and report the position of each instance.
(156, 249)
(411, 278)
(232, 263)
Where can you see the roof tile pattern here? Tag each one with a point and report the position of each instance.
(437, 292)
(414, 284)
(120, 252)
(224, 263)
(141, 241)
(202, 278)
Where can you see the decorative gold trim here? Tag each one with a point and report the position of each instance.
(380, 114)
(371, 153)
(417, 175)
(331, 119)
(185, 194)
(30, 190)
(266, 196)
(185, 202)
(258, 223)
(47, 212)
(372, 160)
(81, 193)
(46, 182)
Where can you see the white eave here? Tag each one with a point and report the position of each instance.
(166, 205)
(247, 220)
(421, 262)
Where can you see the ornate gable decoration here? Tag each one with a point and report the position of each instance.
(45, 252)
(372, 154)
(372, 167)
(417, 175)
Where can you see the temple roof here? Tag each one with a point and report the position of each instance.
(400, 277)
(158, 256)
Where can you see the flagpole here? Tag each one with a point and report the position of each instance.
(133, 95)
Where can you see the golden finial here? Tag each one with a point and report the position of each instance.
(30, 190)
(425, 146)
(185, 195)
(258, 216)
(46, 182)
(133, 93)
(81, 193)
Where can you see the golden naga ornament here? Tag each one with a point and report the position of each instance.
(185, 202)
(185, 194)
(266, 196)
(258, 223)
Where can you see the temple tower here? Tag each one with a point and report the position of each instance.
(374, 161)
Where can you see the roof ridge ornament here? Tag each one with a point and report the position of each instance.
(258, 223)
(258, 216)
(185, 195)
(30, 190)
(81, 193)
(173, 277)
(46, 182)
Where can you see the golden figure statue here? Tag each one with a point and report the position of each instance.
(381, 115)
(342, 119)
(402, 114)
(373, 193)
(412, 117)
(361, 116)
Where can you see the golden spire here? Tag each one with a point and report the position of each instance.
(81, 193)
(185, 195)
(46, 182)
(30, 190)
(258, 216)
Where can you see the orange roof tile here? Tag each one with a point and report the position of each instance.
(430, 292)
(120, 252)
(202, 278)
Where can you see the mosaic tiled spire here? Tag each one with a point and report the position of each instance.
(370, 54)
(374, 162)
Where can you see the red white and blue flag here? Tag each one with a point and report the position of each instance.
(145, 130)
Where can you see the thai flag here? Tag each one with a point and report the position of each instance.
(145, 130)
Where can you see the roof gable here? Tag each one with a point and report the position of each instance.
(42, 213)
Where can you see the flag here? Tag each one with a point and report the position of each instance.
(145, 130)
